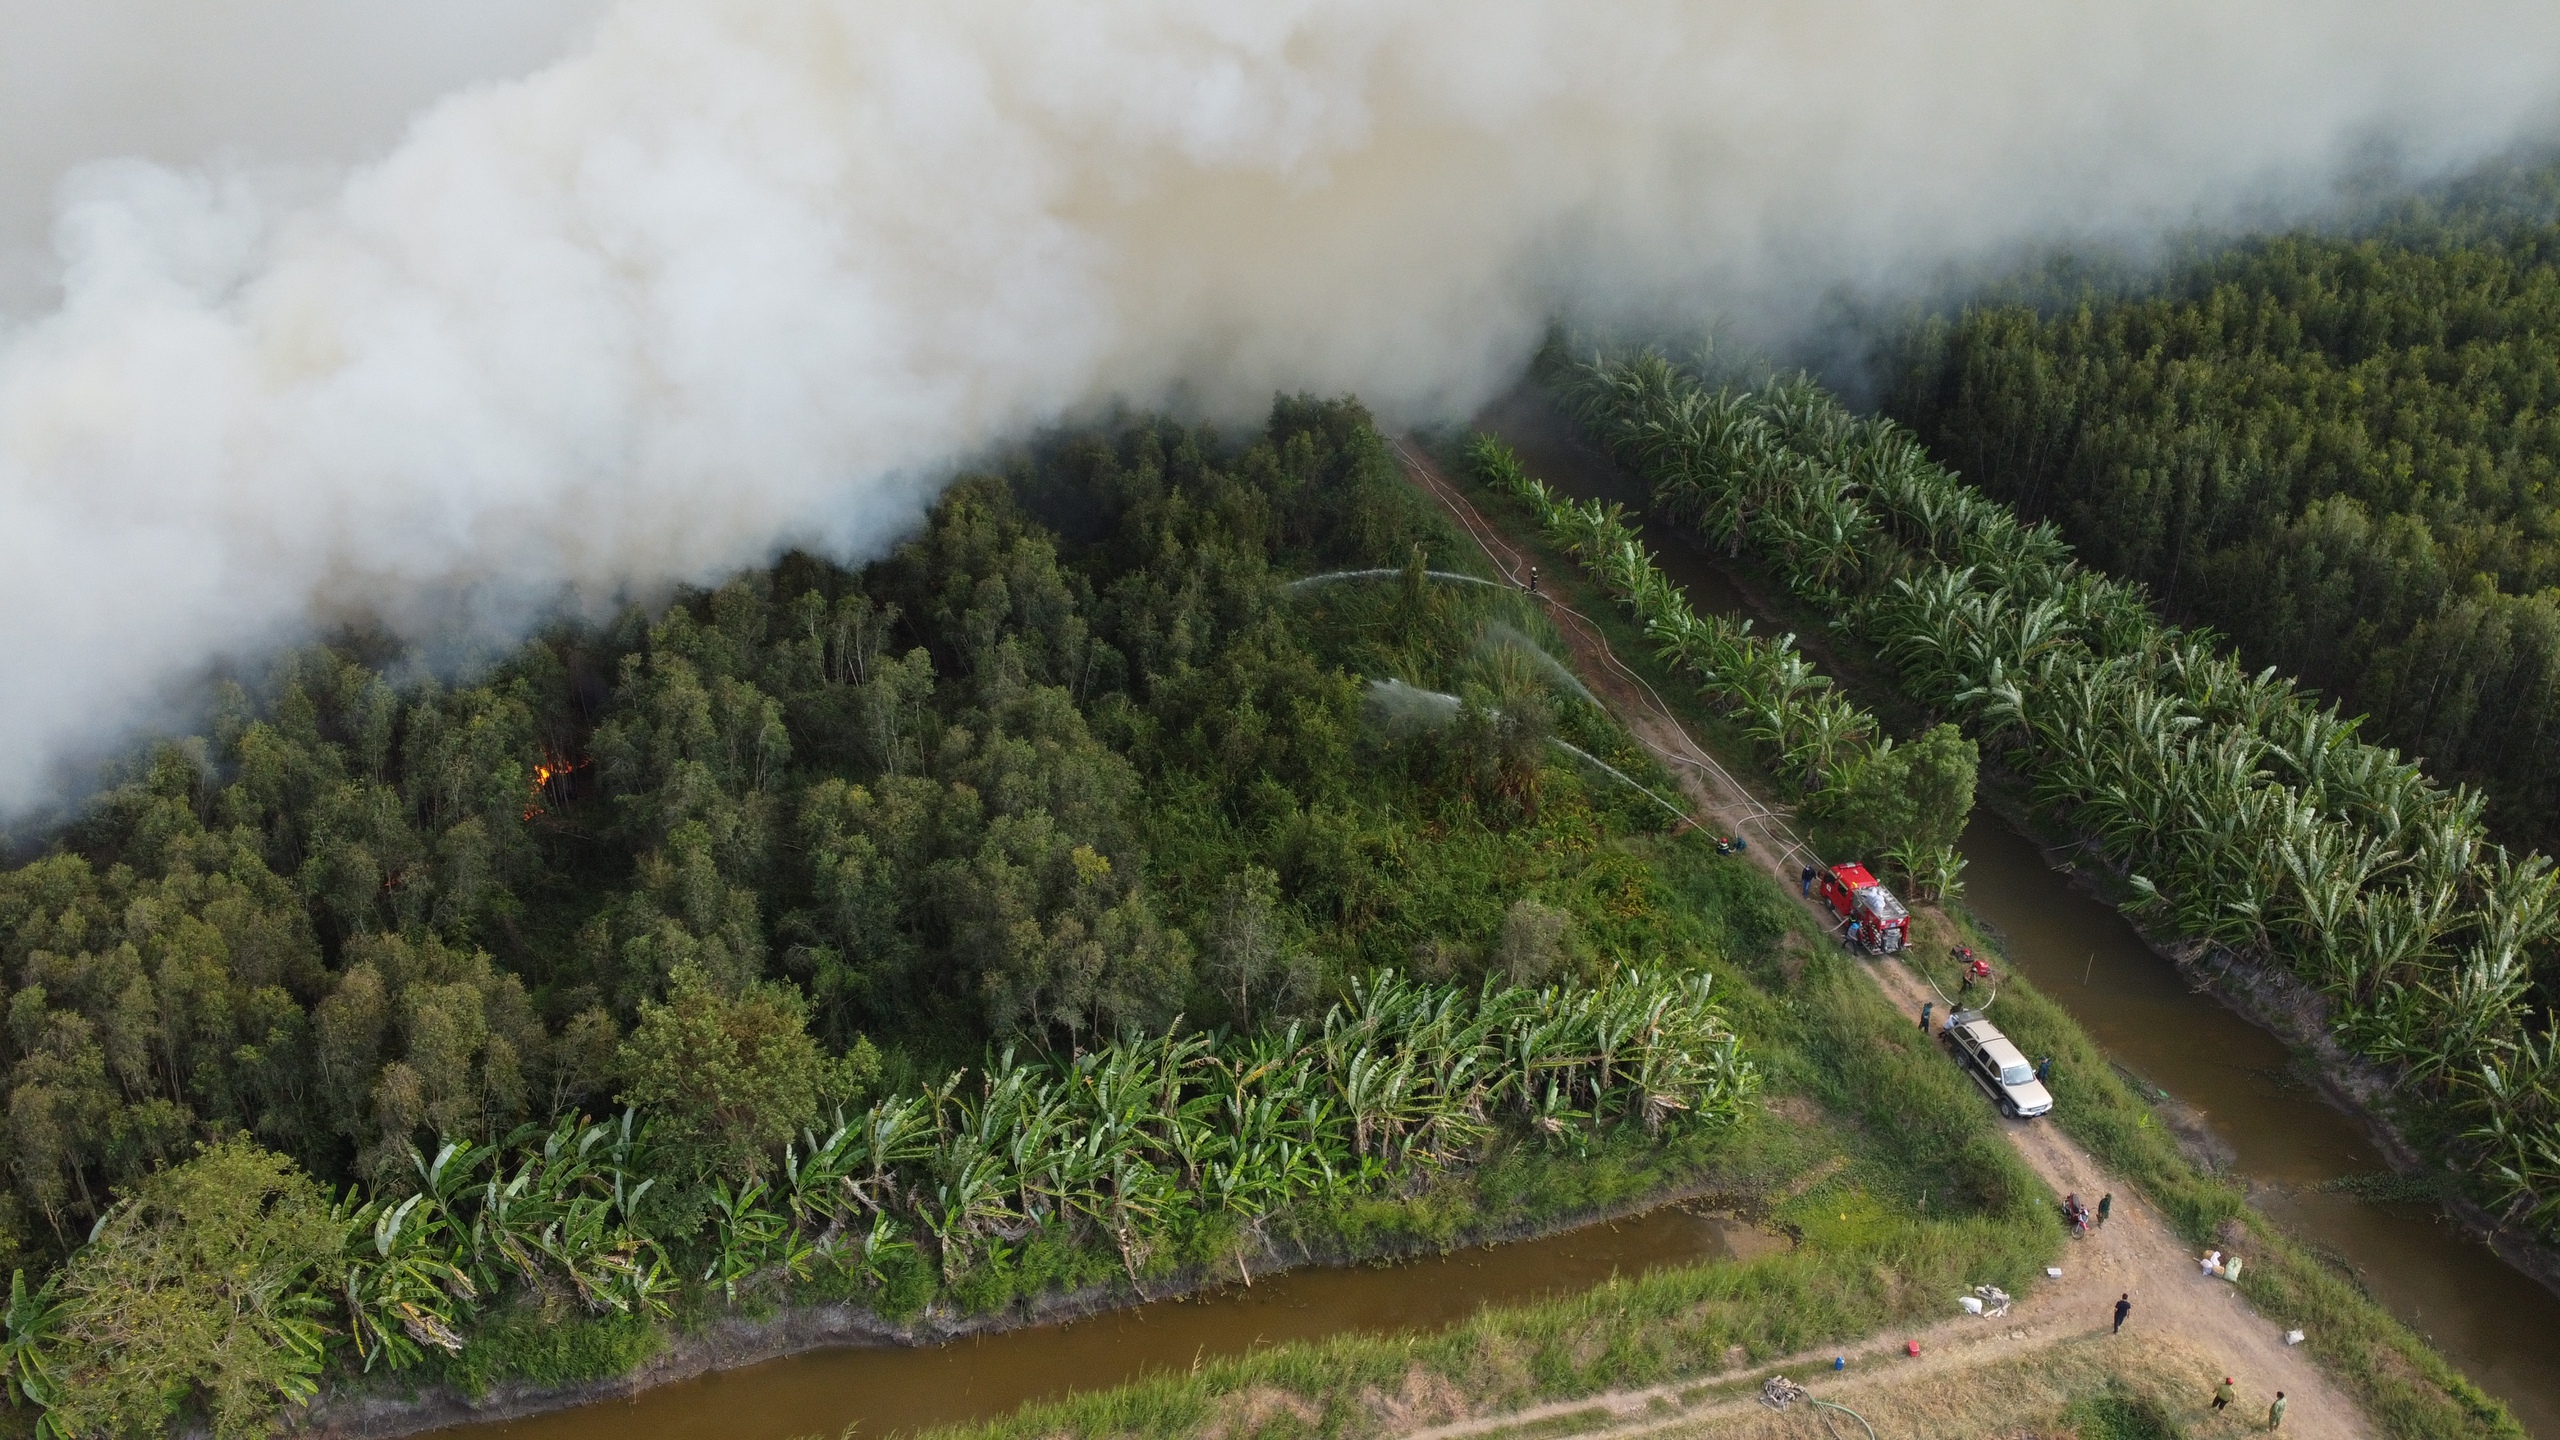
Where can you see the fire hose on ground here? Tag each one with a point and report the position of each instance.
(1845, 1410)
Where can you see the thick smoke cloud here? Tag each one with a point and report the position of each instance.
(747, 272)
(306, 84)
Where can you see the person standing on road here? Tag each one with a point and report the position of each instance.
(1925, 1008)
(2106, 1203)
(2124, 1307)
(2275, 1412)
(1805, 881)
(2223, 1394)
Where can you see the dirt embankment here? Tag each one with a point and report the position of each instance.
(2136, 1253)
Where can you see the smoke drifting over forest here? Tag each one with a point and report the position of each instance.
(740, 273)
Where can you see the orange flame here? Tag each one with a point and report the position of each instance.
(549, 769)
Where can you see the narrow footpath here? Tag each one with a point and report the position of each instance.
(2136, 1252)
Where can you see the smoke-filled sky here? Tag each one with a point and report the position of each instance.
(315, 83)
(729, 274)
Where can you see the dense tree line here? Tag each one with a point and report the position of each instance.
(576, 975)
(2340, 450)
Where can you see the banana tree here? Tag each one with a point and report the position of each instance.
(28, 1332)
(749, 1236)
(403, 1286)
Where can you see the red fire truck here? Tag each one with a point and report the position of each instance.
(1870, 918)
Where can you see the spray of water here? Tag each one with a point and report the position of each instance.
(1622, 777)
(1493, 638)
(1498, 638)
(1335, 577)
(1408, 708)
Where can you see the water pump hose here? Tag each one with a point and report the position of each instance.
(1843, 1409)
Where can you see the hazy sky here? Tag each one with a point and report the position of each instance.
(182, 81)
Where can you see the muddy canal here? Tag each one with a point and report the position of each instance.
(884, 1390)
(2500, 1327)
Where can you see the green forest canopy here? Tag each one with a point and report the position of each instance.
(2340, 450)
(1011, 782)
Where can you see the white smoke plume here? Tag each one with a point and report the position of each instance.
(303, 84)
(738, 273)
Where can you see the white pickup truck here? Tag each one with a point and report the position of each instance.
(1996, 1065)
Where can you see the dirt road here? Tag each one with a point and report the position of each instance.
(2136, 1252)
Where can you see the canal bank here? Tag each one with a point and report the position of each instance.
(881, 1387)
(2262, 1105)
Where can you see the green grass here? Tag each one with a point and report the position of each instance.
(2121, 1417)
(523, 1343)
(1626, 1333)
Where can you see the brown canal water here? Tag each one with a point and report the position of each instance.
(876, 1391)
(2501, 1327)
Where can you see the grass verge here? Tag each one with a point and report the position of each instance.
(2092, 1387)
(568, 1348)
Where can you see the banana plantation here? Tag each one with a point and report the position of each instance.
(1812, 735)
(1135, 1150)
(2244, 815)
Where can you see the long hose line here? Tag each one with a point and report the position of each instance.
(1843, 1409)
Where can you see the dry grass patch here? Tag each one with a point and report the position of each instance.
(1795, 1110)
(2025, 1394)
(1250, 1411)
(1575, 1422)
(1425, 1399)
(1806, 1183)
